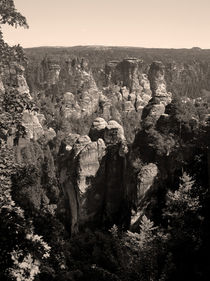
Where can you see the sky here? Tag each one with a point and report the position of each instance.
(140, 23)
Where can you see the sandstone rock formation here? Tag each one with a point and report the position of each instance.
(91, 174)
(145, 185)
(51, 71)
(13, 76)
(97, 129)
(133, 84)
(160, 97)
(31, 124)
(82, 96)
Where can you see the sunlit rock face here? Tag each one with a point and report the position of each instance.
(158, 83)
(97, 129)
(91, 175)
(13, 77)
(114, 133)
(32, 125)
(160, 97)
(82, 95)
(71, 107)
(111, 132)
(51, 71)
(133, 85)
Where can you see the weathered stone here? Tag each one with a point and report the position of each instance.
(160, 96)
(41, 118)
(97, 128)
(145, 179)
(114, 133)
(128, 106)
(145, 182)
(52, 71)
(71, 107)
(50, 134)
(32, 126)
(80, 143)
(93, 175)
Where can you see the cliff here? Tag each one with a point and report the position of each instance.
(91, 174)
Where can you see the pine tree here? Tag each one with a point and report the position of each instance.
(184, 227)
(182, 205)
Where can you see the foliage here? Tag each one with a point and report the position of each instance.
(184, 225)
(9, 15)
(21, 250)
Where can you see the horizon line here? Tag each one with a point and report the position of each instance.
(114, 46)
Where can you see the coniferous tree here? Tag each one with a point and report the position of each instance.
(184, 227)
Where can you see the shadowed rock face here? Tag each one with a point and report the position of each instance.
(77, 174)
(125, 73)
(146, 178)
(91, 175)
(145, 185)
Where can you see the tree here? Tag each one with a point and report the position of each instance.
(9, 15)
(182, 204)
(182, 213)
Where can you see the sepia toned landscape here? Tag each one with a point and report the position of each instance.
(104, 151)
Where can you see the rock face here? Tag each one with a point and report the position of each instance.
(32, 126)
(97, 129)
(82, 96)
(160, 97)
(51, 71)
(91, 175)
(146, 178)
(13, 76)
(71, 107)
(145, 185)
(127, 84)
(125, 73)
(14, 99)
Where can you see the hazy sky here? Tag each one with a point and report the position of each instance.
(143, 23)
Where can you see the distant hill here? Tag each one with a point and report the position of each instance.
(99, 55)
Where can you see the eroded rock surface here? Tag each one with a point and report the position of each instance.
(145, 185)
(134, 86)
(160, 97)
(92, 173)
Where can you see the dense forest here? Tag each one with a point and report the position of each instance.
(104, 162)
